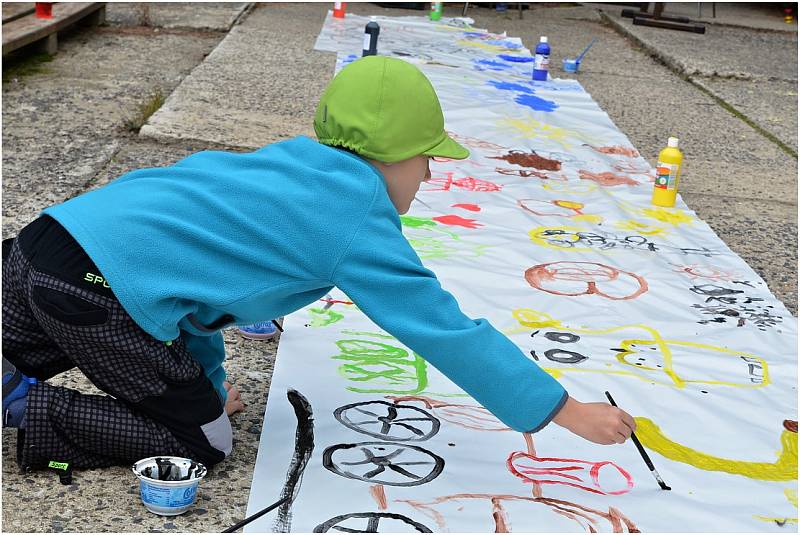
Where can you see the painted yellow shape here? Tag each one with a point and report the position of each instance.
(580, 188)
(781, 521)
(495, 49)
(534, 319)
(673, 217)
(537, 237)
(572, 205)
(588, 218)
(783, 469)
(679, 381)
(639, 228)
(791, 495)
(531, 128)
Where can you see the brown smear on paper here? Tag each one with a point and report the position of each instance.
(536, 488)
(379, 495)
(607, 178)
(586, 517)
(551, 278)
(467, 416)
(617, 149)
(529, 159)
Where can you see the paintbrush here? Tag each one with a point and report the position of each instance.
(643, 453)
(256, 515)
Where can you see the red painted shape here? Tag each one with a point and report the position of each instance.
(470, 207)
(334, 301)
(457, 220)
(552, 471)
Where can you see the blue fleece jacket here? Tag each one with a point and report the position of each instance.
(221, 238)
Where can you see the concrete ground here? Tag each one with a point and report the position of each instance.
(238, 76)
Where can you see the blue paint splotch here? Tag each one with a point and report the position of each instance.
(526, 96)
(515, 59)
(490, 65)
(511, 45)
(350, 58)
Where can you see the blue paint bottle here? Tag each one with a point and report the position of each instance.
(541, 60)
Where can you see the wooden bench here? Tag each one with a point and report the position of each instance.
(21, 27)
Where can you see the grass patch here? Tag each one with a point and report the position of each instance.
(147, 108)
(26, 66)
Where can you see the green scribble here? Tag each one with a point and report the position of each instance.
(322, 318)
(367, 333)
(391, 369)
(416, 222)
(440, 243)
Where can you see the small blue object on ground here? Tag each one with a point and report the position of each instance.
(263, 330)
(570, 65)
(15, 395)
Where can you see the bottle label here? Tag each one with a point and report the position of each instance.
(666, 175)
(366, 41)
(541, 62)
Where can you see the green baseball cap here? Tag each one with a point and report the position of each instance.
(385, 109)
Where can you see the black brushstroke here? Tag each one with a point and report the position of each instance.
(384, 462)
(370, 413)
(562, 337)
(303, 447)
(372, 524)
(565, 357)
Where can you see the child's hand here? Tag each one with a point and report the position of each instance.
(597, 422)
(234, 403)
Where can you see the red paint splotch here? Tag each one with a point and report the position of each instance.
(470, 207)
(458, 221)
(630, 152)
(447, 182)
(607, 178)
(529, 159)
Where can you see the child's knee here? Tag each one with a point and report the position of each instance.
(219, 434)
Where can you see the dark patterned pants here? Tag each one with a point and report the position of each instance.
(160, 402)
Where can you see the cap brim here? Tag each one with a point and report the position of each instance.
(448, 149)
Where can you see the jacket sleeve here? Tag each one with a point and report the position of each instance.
(209, 352)
(383, 275)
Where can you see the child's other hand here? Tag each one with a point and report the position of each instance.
(234, 403)
(598, 422)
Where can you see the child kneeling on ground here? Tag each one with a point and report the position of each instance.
(132, 282)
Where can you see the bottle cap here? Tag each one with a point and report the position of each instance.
(543, 39)
(672, 142)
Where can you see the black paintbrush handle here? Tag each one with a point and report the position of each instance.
(638, 444)
(256, 515)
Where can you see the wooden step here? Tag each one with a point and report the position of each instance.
(27, 29)
(15, 10)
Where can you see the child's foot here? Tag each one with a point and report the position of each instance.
(15, 395)
(263, 330)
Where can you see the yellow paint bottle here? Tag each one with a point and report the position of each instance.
(668, 172)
